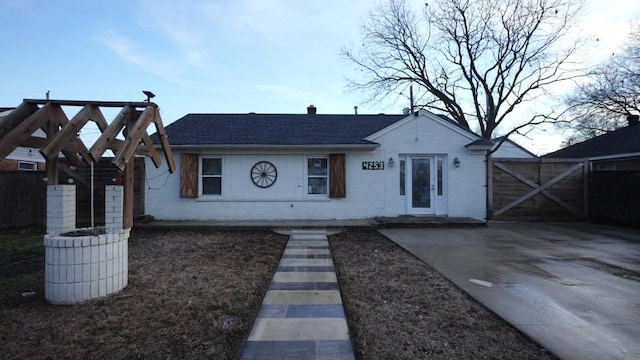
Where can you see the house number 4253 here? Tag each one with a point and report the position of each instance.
(373, 165)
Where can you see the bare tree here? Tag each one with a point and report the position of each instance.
(474, 60)
(612, 94)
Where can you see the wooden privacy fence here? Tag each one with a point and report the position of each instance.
(24, 193)
(23, 199)
(104, 174)
(537, 189)
(614, 197)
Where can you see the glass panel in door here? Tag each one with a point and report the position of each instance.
(421, 183)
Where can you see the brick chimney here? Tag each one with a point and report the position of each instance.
(633, 120)
(311, 110)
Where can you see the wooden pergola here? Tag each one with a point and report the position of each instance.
(17, 129)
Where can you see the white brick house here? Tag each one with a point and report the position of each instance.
(309, 166)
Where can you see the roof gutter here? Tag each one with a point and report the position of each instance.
(275, 147)
(614, 156)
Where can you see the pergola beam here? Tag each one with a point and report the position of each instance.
(69, 133)
(108, 136)
(134, 135)
(150, 147)
(164, 141)
(33, 142)
(99, 119)
(24, 130)
(138, 104)
(12, 120)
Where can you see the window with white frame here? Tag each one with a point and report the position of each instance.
(317, 176)
(27, 166)
(211, 176)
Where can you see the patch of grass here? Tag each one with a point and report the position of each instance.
(17, 245)
(21, 262)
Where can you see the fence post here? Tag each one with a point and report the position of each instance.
(587, 212)
(489, 186)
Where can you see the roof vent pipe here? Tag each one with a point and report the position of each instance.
(633, 119)
(311, 110)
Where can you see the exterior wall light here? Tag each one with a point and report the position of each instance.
(391, 162)
(456, 162)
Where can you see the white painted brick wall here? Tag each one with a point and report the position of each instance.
(61, 208)
(113, 208)
(77, 270)
(290, 202)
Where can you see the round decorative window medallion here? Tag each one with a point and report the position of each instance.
(264, 174)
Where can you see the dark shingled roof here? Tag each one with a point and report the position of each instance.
(276, 129)
(625, 140)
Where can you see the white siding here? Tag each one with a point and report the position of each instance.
(369, 192)
(424, 135)
(511, 150)
(26, 154)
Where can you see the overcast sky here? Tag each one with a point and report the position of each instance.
(226, 56)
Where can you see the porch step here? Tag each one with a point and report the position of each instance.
(426, 222)
(280, 226)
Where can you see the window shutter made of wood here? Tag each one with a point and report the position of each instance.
(188, 175)
(337, 178)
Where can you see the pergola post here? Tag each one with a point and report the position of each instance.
(52, 164)
(127, 214)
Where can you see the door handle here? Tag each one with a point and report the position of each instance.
(433, 187)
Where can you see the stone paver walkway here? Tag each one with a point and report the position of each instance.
(302, 315)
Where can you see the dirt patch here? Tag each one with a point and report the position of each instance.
(190, 295)
(399, 308)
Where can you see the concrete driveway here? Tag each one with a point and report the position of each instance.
(573, 288)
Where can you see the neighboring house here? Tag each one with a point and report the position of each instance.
(22, 158)
(511, 149)
(615, 150)
(508, 148)
(309, 166)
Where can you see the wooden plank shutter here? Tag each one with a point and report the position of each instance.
(337, 179)
(188, 175)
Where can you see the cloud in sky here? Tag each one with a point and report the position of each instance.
(208, 55)
(286, 51)
(236, 39)
(157, 64)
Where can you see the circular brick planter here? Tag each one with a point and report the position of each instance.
(81, 268)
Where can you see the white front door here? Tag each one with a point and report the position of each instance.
(426, 185)
(420, 185)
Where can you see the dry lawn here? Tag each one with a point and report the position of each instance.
(190, 295)
(398, 307)
(194, 294)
